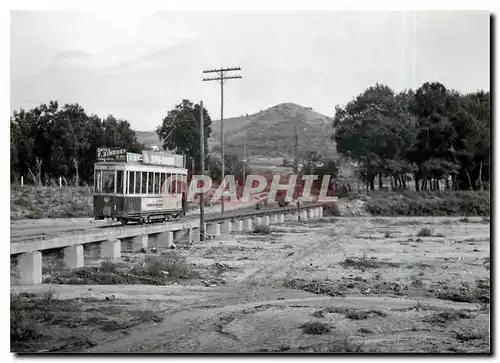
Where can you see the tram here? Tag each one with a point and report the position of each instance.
(143, 188)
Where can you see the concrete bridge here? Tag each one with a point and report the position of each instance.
(29, 254)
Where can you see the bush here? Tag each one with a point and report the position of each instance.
(449, 203)
(35, 202)
(315, 327)
(262, 229)
(425, 232)
(331, 209)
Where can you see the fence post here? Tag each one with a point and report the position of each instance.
(22, 181)
(60, 182)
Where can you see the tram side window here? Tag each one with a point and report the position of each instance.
(162, 183)
(157, 183)
(137, 182)
(108, 181)
(176, 183)
(98, 181)
(169, 183)
(144, 184)
(119, 181)
(150, 183)
(131, 179)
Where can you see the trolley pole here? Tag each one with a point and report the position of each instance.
(202, 163)
(221, 77)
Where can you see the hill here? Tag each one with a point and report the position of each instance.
(271, 132)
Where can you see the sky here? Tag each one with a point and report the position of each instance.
(138, 65)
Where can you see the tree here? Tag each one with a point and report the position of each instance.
(433, 153)
(51, 141)
(376, 130)
(180, 130)
(233, 165)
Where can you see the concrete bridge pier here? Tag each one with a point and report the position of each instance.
(247, 224)
(281, 218)
(213, 229)
(73, 256)
(237, 225)
(111, 249)
(303, 215)
(266, 220)
(165, 239)
(194, 235)
(257, 221)
(226, 227)
(29, 268)
(141, 241)
(273, 219)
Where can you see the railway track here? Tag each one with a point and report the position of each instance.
(44, 233)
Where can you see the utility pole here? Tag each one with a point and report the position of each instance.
(296, 161)
(222, 75)
(244, 164)
(202, 163)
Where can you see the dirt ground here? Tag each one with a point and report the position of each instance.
(358, 284)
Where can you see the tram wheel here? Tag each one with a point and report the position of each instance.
(124, 221)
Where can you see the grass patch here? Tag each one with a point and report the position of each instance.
(313, 286)
(480, 293)
(33, 202)
(445, 203)
(468, 335)
(46, 323)
(365, 263)
(331, 209)
(338, 345)
(261, 229)
(446, 316)
(349, 313)
(155, 270)
(424, 232)
(315, 327)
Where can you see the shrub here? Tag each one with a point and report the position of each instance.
(315, 327)
(448, 203)
(261, 229)
(425, 232)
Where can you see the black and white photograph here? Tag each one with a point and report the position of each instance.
(251, 181)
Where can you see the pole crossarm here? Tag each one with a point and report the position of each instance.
(221, 78)
(222, 70)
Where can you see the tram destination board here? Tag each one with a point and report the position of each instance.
(111, 154)
(161, 158)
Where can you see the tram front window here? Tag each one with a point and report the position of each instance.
(108, 181)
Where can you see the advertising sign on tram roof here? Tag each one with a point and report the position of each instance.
(111, 154)
(162, 158)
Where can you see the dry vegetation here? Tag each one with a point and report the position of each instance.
(32, 202)
(44, 323)
(329, 285)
